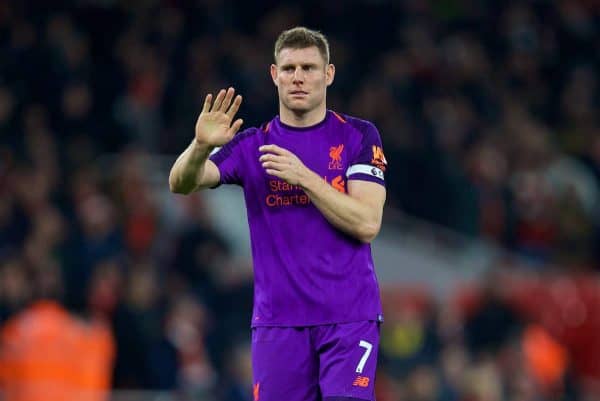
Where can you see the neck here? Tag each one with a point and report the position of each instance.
(303, 118)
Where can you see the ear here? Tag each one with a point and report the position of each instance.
(329, 74)
(274, 74)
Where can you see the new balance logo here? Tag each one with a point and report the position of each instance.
(361, 381)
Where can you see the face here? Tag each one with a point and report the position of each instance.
(302, 78)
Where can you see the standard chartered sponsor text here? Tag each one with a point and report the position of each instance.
(284, 194)
(281, 195)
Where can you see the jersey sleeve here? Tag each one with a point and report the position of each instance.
(229, 159)
(370, 163)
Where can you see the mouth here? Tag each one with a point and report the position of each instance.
(298, 93)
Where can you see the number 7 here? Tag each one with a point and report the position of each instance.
(368, 347)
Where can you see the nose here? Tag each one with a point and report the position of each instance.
(298, 75)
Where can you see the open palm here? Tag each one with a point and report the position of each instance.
(214, 127)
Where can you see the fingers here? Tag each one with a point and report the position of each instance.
(235, 106)
(227, 101)
(273, 149)
(274, 173)
(222, 103)
(218, 101)
(270, 157)
(275, 166)
(270, 161)
(206, 106)
(275, 159)
(235, 126)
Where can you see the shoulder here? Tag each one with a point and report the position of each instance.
(244, 135)
(235, 145)
(253, 132)
(359, 125)
(241, 138)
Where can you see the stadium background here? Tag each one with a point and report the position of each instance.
(488, 111)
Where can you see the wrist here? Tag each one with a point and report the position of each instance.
(200, 146)
(309, 180)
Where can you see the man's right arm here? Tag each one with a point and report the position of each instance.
(192, 169)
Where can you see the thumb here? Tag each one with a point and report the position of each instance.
(235, 126)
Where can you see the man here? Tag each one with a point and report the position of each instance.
(313, 182)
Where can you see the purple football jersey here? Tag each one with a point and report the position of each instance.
(306, 272)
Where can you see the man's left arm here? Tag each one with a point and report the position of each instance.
(357, 213)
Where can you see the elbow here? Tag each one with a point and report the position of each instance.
(173, 187)
(179, 190)
(176, 187)
(368, 232)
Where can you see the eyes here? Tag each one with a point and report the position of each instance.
(305, 68)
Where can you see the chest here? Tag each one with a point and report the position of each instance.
(327, 155)
(328, 158)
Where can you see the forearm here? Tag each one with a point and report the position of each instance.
(188, 170)
(344, 212)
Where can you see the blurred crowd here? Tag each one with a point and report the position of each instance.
(488, 114)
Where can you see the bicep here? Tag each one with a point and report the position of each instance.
(370, 194)
(209, 176)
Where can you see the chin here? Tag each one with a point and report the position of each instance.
(298, 106)
(299, 110)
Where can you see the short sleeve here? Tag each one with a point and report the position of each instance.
(229, 159)
(370, 163)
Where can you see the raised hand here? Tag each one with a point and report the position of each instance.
(214, 127)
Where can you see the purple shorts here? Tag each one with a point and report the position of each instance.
(329, 362)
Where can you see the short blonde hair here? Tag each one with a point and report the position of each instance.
(301, 38)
